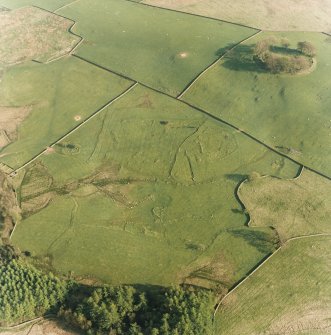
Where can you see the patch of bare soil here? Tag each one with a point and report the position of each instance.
(311, 319)
(183, 54)
(10, 119)
(30, 33)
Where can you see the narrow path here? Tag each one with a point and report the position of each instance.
(215, 63)
(76, 128)
(263, 263)
(66, 5)
(21, 325)
(28, 322)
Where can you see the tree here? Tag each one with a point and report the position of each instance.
(307, 48)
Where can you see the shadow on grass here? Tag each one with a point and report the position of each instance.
(262, 241)
(221, 51)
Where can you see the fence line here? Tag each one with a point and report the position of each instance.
(76, 128)
(264, 262)
(215, 63)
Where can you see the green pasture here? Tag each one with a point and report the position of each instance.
(145, 193)
(290, 294)
(297, 207)
(54, 93)
(162, 49)
(45, 4)
(291, 113)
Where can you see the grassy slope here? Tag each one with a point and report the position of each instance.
(145, 43)
(46, 4)
(56, 92)
(290, 294)
(152, 207)
(304, 15)
(292, 111)
(294, 207)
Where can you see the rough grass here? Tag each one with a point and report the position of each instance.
(10, 118)
(34, 34)
(297, 207)
(288, 112)
(46, 4)
(303, 15)
(54, 94)
(162, 49)
(290, 294)
(155, 207)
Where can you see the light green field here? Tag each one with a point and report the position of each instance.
(157, 206)
(46, 4)
(297, 207)
(43, 100)
(162, 49)
(288, 112)
(282, 15)
(290, 294)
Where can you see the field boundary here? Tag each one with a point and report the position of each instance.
(242, 203)
(192, 14)
(69, 30)
(6, 168)
(66, 5)
(211, 116)
(75, 128)
(189, 86)
(260, 265)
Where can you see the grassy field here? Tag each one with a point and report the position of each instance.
(46, 4)
(34, 34)
(46, 101)
(159, 48)
(303, 15)
(293, 207)
(291, 111)
(155, 207)
(290, 294)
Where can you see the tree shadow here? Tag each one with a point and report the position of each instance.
(262, 241)
(221, 51)
(241, 58)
